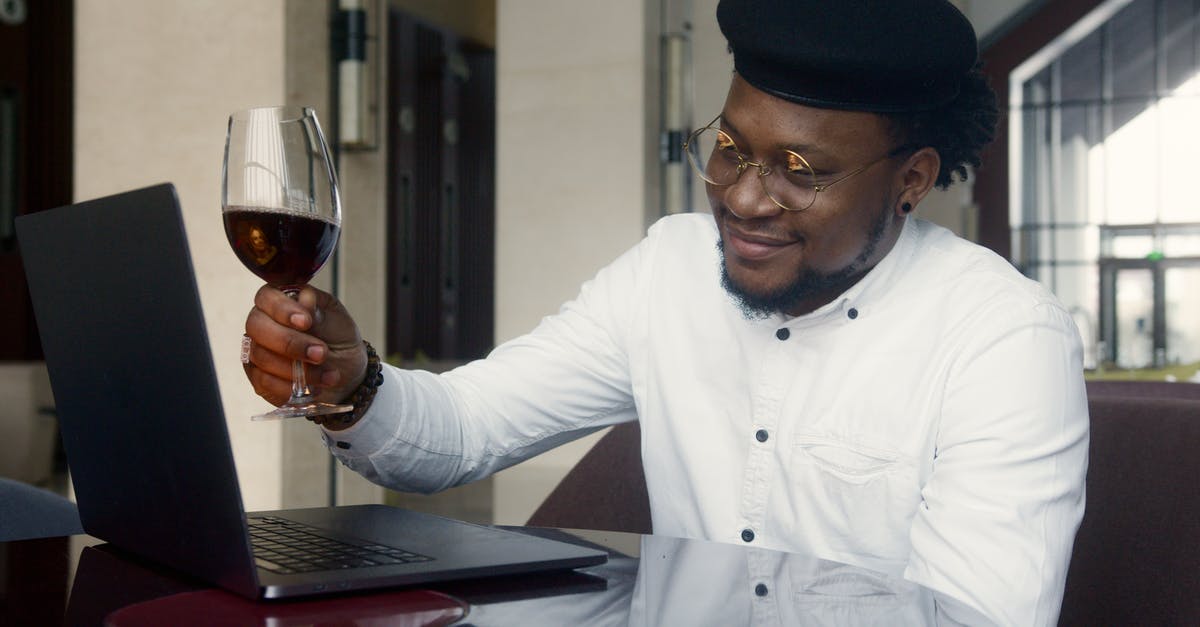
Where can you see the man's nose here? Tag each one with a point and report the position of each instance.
(747, 198)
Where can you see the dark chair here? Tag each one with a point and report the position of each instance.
(1136, 559)
(606, 490)
(28, 512)
(1143, 389)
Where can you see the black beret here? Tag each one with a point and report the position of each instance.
(886, 56)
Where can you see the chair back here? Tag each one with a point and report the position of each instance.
(1144, 389)
(1136, 559)
(28, 512)
(606, 490)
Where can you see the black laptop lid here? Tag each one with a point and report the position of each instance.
(123, 333)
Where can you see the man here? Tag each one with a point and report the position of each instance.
(813, 369)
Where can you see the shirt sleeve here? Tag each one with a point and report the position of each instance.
(1005, 497)
(567, 378)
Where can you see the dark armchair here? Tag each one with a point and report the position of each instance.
(606, 490)
(28, 512)
(1136, 559)
(1143, 389)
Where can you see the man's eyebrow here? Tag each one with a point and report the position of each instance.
(724, 122)
(802, 149)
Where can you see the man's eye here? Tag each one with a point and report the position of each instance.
(797, 165)
(724, 142)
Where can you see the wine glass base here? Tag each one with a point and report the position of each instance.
(303, 410)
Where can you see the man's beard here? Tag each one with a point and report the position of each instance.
(759, 306)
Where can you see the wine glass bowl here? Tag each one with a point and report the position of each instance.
(284, 249)
(282, 212)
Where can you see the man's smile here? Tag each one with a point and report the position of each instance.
(754, 245)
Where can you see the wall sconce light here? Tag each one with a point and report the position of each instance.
(354, 52)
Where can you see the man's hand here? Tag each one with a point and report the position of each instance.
(316, 329)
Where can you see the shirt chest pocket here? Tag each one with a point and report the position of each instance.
(859, 499)
(850, 463)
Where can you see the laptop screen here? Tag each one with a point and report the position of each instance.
(136, 393)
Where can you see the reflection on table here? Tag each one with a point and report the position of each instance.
(675, 581)
(648, 580)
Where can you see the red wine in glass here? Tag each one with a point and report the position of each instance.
(283, 249)
(282, 213)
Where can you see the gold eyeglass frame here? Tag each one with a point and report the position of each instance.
(765, 170)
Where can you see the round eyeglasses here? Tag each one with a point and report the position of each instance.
(716, 159)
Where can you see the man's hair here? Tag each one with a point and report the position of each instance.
(958, 130)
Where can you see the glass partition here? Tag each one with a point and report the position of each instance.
(1106, 137)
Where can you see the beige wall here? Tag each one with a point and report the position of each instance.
(570, 167)
(571, 174)
(154, 84)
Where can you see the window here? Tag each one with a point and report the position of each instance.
(1106, 128)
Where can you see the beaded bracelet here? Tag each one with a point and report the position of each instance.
(361, 397)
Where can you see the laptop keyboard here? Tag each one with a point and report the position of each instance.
(287, 547)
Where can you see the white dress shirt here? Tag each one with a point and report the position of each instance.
(930, 422)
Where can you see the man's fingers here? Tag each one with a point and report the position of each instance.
(282, 309)
(330, 320)
(270, 362)
(275, 371)
(275, 390)
(270, 335)
(314, 328)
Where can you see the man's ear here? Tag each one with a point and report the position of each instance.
(916, 177)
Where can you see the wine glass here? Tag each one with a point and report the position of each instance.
(282, 213)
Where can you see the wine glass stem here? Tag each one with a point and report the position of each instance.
(300, 390)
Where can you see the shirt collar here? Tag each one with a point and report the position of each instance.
(872, 287)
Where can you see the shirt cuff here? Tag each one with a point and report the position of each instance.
(376, 427)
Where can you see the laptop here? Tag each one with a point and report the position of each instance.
(117, 307)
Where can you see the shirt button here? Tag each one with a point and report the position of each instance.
(760, 590)
(761, 435)
(783, 334)
(747, 535)
(852, 314)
